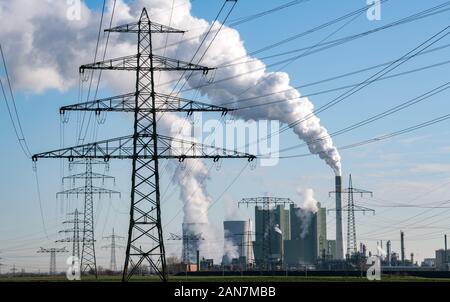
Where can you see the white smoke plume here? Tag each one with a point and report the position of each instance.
(230, 250)
(307, 210)
(44, 49)
(277, 229)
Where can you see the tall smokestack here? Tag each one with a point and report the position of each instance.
(339, 240)
(402, 242)
(388, 252)
(445, 251)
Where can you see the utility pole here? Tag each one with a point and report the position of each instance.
(75, 231)
(187, 240)
(52, 251)
(266, 204)
(351, 208)
(145, 147)
(113, 246)
(88, 259)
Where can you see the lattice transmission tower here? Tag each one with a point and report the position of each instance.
(75, 226)
(52, 251)
(188, 241)
(113, 245)
(145, 147)
(351, 208)
(88, 190)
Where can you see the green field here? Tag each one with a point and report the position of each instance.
(228, 279)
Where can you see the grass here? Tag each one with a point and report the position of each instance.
(227, 279)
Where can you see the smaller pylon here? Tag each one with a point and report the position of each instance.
(113, 245)
(351, 208)
(52, 252)
(187, 240)
(76, 239)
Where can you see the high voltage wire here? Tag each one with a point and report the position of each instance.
(397, 63)
(326, 45)
(242, 20)
(425, 96)
(340, 76)
(92, 72)
(383, 137)
(336, 42)
(18, 130)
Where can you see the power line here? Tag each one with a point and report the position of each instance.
(92, 72)
(18, 130)
(425, 96)
(383, 137)
(342, 97)
(326, 45)
(241, 20)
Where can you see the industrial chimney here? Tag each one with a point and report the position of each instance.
(388, 252)
(402, 246)
(339, 240)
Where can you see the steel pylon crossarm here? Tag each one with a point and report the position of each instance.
(153, 26)
(122, 148)
(131, 63)
(127, 103)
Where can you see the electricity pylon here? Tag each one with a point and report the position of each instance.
(351, 208)
(187, 240)
(52, 252)
(145, 147)
(88, 259)
(75, 238)
(264, 235)
(113, 245)
(1, 264)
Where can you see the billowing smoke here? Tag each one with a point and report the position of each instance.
(306, 211)
(277, 229)
(230, 250)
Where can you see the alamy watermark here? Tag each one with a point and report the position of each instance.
(374, 270)
(74, 270)
(259, 138)
(73, 10)
(374, 10)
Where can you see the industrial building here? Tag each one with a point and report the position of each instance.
(286, 236)
(272, 228)
(442, 259)
(308, 236)
(238, 234)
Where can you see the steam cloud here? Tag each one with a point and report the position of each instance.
(307, 211)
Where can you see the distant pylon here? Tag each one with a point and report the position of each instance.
(88, 259)
(75, 230)
(113, 245)
(351, 207)
(52, 251)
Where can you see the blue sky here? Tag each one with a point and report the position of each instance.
(410, 169)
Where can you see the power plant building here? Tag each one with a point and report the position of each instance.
(272, 228)
(308, 236)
